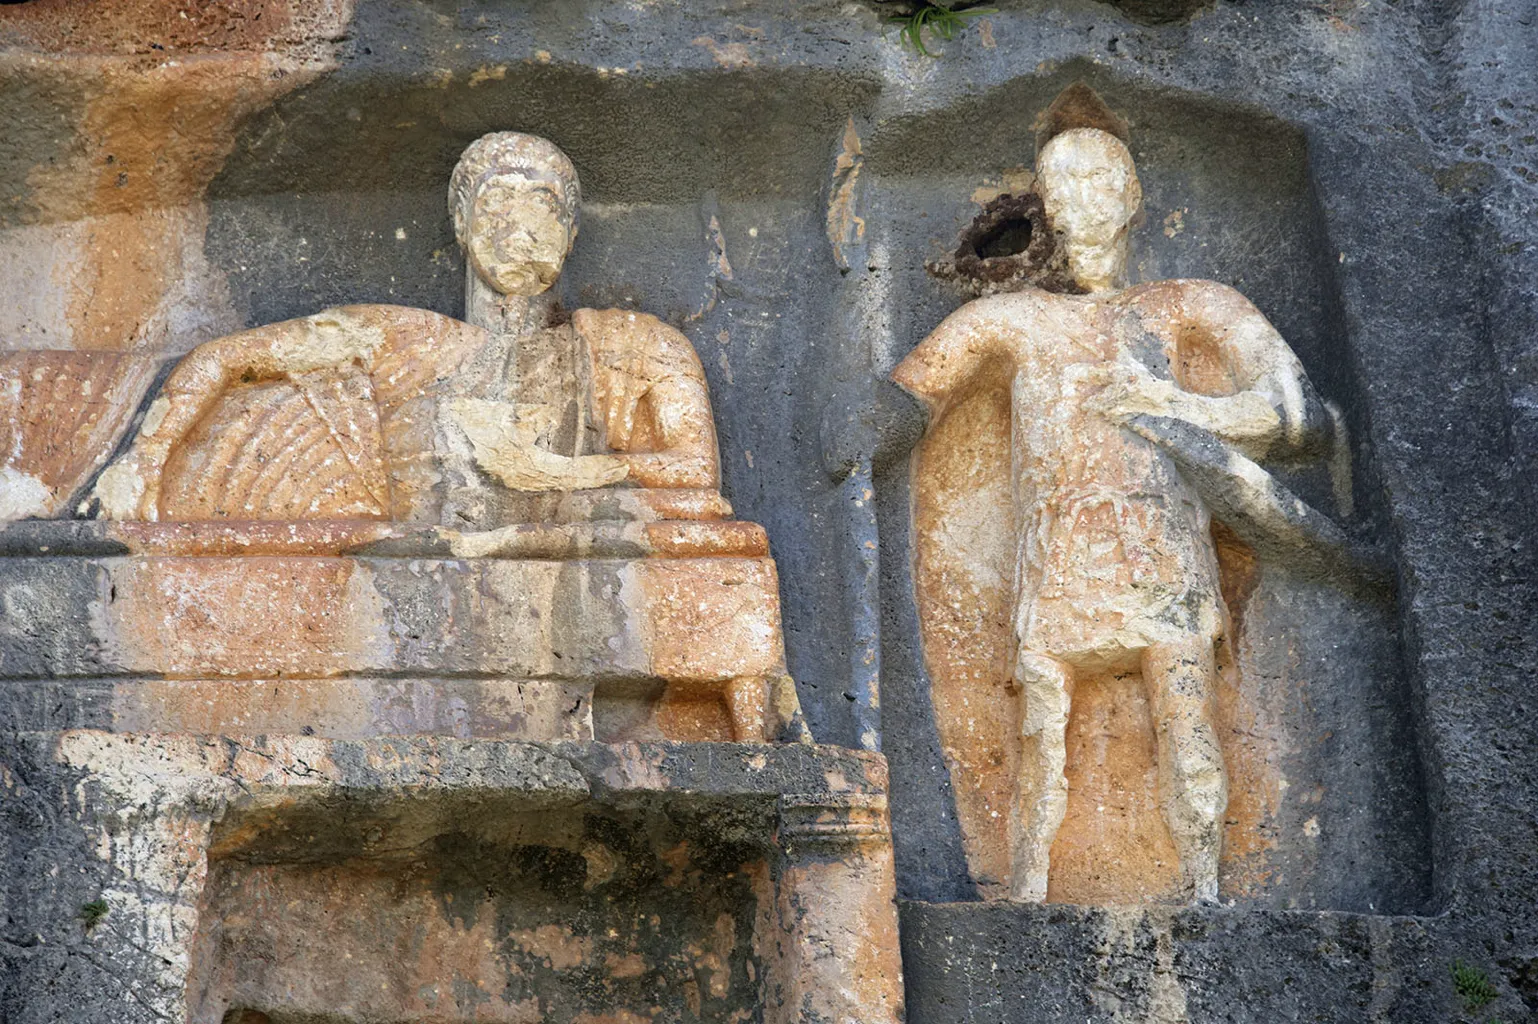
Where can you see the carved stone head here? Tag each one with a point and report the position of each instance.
(514, 199)
(1089, 187)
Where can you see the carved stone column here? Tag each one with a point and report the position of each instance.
(839, 961)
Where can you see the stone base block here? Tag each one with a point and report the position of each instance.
(990, 963)
(392, 880)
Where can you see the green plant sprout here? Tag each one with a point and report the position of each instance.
(940, 18)
(93, 912)
(1473, 986)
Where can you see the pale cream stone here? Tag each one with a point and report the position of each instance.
(400, 415)
(522, 465)
(120, 489)
(391, 413)
(155, 415)
(332, 338)
(1091, 193)
(514, 199)
(22, 494)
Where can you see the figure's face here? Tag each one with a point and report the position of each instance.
(1091, 193)
(519, 234)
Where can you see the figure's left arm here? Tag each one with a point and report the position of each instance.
(684, 435)
(1263, 363)
(1273, 409)
(650, 391)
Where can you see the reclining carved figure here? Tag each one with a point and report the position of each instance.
(387, 412)
(471, 432)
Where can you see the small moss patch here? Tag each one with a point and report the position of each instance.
(1473, 986)
(93, 912)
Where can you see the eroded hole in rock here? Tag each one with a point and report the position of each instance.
(1009, 238)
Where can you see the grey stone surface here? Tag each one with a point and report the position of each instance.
(987, 963)
(477, 817)
(1362, 170)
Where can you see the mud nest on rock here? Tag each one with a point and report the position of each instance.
(1008, 246)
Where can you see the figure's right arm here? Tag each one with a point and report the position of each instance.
(130, 487)
(955, 352)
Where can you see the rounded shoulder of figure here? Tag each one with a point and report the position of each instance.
(385, 316)
(612, 332)
(1179, 293)
(364, 319)
(1021, 306)
(393, 343)
(1006, 303)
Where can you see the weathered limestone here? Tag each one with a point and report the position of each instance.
(60, 413)
(105, 274)
(276, 627)
(408, 635)
(773, 179)
(1056, 414)
(386, 413)
(838, 864)
(396, 879)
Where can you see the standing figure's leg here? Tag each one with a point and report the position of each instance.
(1041, 791)
(1193, 787)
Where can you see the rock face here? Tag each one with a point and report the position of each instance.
(390, 630)
(313, 565)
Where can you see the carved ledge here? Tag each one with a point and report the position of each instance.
(832, 823)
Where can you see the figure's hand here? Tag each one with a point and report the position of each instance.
(1128, 389)
(124, 489)
(524, 467)
(1245, 420)
(501, 450)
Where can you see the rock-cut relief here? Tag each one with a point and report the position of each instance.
(1082, 434)
(406, 633)
(526, 435)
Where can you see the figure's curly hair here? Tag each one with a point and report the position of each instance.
(1113, 149)
(511, 153)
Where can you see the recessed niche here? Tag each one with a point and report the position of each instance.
(565, 915)
(1326, 807)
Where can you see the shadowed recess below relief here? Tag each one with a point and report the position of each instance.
(555, 915)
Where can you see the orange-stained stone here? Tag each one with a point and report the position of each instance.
(61, 415)
(191, 618)
(712, 619)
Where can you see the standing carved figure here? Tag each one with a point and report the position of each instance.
(1115, 568)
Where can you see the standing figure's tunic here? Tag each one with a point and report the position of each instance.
(1114, 550)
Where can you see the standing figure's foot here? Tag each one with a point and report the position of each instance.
(1029, 885)
(1200, 870)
